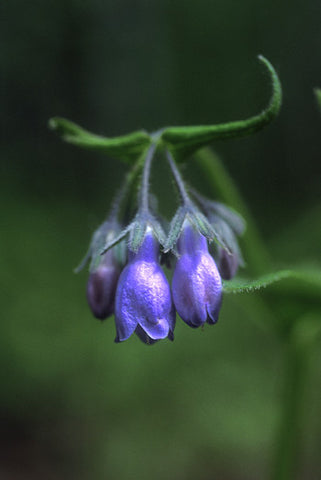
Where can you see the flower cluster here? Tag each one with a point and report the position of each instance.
(201, 245)
(126, 277)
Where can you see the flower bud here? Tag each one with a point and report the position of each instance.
(227, 263)
(197, 285)
(143, 298)
(101, 286)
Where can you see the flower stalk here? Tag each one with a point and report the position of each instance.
(144, 190)
(179, 181)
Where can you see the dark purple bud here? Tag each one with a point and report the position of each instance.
(143, 298)
(197, 285)
(228, 263)
(101, 286)
(230, 258)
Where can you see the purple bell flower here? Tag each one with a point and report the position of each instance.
(143, 298)
(101, 286)
(197, 285)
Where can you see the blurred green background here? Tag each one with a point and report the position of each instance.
(74, 404)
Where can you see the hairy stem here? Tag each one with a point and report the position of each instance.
(120, 201)
(178, 179)
(144, 189)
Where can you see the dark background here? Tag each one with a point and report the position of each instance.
(74, 404)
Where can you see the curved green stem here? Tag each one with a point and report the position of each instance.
(298, 345)
(219, 180)
(126, 147)
(185, 140)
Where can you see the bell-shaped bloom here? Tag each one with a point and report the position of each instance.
(101, 286)
(143, 298)
(197, 285)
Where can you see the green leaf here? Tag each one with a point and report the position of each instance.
(126, 147)
(311, 279)
(317, 92)
(183, 141)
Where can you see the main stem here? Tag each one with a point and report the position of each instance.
(287, 445)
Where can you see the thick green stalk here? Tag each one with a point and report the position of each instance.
(220, 182)
(287, 445)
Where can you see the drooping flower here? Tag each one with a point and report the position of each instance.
(197, 285)
(104, 270)
(143, 298)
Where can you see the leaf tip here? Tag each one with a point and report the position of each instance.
(317, 93)
(53, 123)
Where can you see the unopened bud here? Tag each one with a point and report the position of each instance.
(101, 286)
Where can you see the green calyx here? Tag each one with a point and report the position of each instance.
(181, 141)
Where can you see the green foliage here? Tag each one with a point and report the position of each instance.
(182, 141)
(291, 306)
(310, 278)
(289, 299)
(185, 140)
(126, 147)
(207, 406)
(210, 391)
